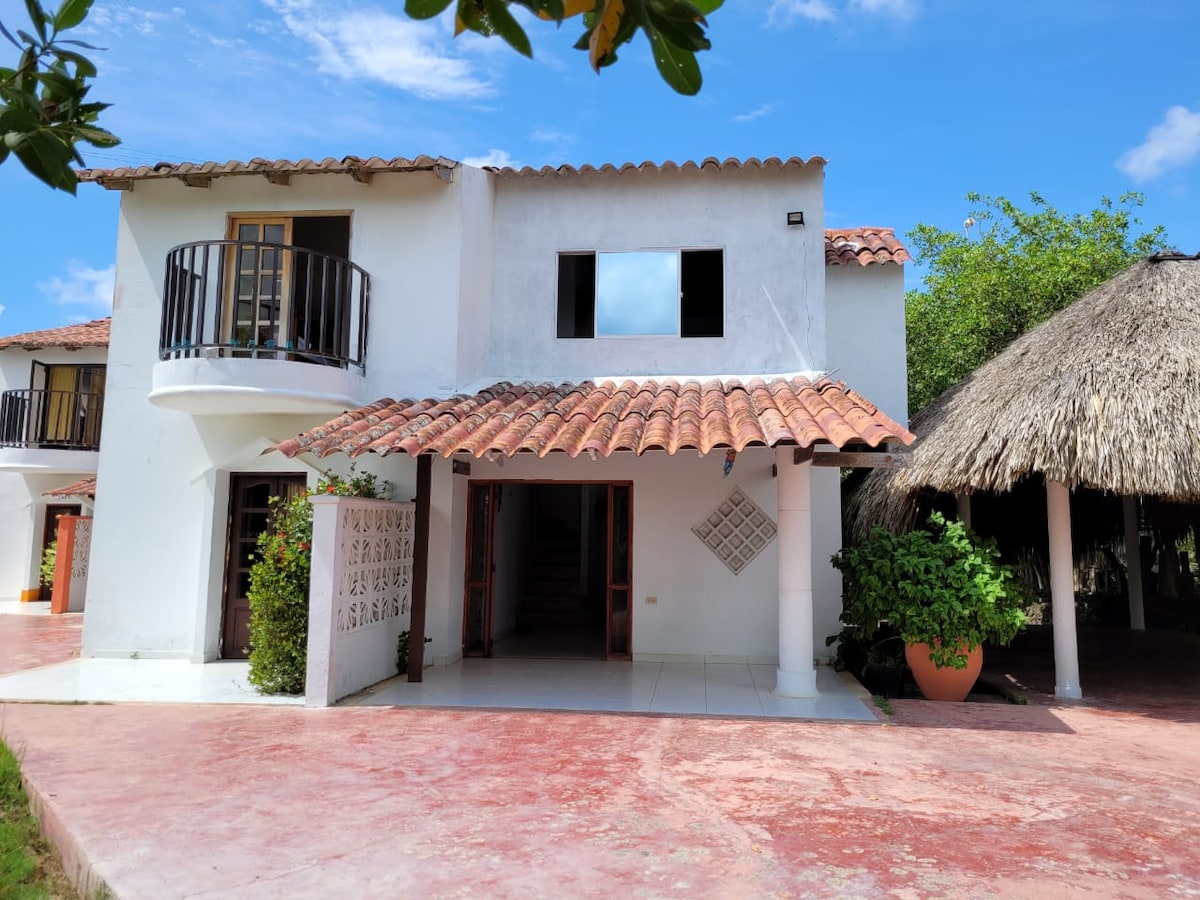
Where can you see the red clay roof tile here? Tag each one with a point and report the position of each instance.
(85, 487)
(710, 162)
(122, 177)
(864, 246)
(72, 337)
(606, 418)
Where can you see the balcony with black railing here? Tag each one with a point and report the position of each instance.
(254, 327)
(50, 430)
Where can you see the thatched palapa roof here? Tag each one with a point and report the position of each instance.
(1105, 393)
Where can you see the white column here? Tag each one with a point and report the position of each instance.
(1133, 558)
(322, 616)
(797, 675)
(964, 508)
(1062, 591)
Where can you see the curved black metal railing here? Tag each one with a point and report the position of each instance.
(259, 300)
(60, 420)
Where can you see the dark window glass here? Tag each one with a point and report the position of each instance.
(576, 295)
(702, 304)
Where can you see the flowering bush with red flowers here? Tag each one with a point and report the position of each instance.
(279, 580)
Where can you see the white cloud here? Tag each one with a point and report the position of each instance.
(785, 12)
(1173, 142)
(374, 45)
(548, 136)
(897, 9)
(765, 110)
(498, 158)
(118, 18)
(82, 286)
(1, 309)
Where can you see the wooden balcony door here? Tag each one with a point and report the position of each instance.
(249, 516)
(260, 289)
(69, 410)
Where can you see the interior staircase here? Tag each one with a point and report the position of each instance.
(555, 593)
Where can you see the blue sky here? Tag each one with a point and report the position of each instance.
(913, 102)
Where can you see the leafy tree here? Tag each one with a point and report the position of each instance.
(43, 109)
(981, 293)
(674, 28)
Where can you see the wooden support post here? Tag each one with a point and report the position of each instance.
(1133, 559)
(416, 628)
(964, 508)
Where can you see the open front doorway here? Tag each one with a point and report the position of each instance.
(549, 570)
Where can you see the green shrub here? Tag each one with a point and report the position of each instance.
(279, 579)
(49, 557)
(402, 642)
(938, 585)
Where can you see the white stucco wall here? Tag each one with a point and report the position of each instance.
(22, 506)
(463, 293)
(22, 522)
(774, 316)
(703, 610)
(864, 309)
(16, 364)
(156, 582)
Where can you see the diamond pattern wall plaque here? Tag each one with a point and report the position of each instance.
(736, 531)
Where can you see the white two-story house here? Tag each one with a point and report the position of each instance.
(52, 386)
(619, 373)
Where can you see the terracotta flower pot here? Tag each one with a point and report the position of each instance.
(945, 683)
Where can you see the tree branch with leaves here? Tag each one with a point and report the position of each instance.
(44, 113)
(674, 28)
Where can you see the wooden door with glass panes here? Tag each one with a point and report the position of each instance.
(249, 516)
(258, 316)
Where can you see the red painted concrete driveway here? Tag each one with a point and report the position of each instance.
(965, 800)
(27, 642)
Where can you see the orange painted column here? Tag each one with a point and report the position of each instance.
(60, 597)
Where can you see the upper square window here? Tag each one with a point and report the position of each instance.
(642, 293)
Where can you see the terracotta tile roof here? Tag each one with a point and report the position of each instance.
(865, 246)
(85, 487)
(72, 337)
(606, 417)
(711, 162)
(275, 170)
(280, 170)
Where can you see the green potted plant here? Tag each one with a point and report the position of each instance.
(943, 590)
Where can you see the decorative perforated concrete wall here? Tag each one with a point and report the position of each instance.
(359, 594)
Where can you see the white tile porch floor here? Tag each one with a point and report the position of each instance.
(720, 689)
(19, 608)
(136, 681)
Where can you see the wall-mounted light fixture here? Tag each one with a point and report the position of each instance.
(796, 218)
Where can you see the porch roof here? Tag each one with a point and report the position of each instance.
(84, 487)
(604, 417)
(70, 337)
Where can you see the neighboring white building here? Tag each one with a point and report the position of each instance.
(256, 301)
(51, 404)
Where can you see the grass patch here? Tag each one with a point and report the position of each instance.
(29, 869)
(884, 704)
